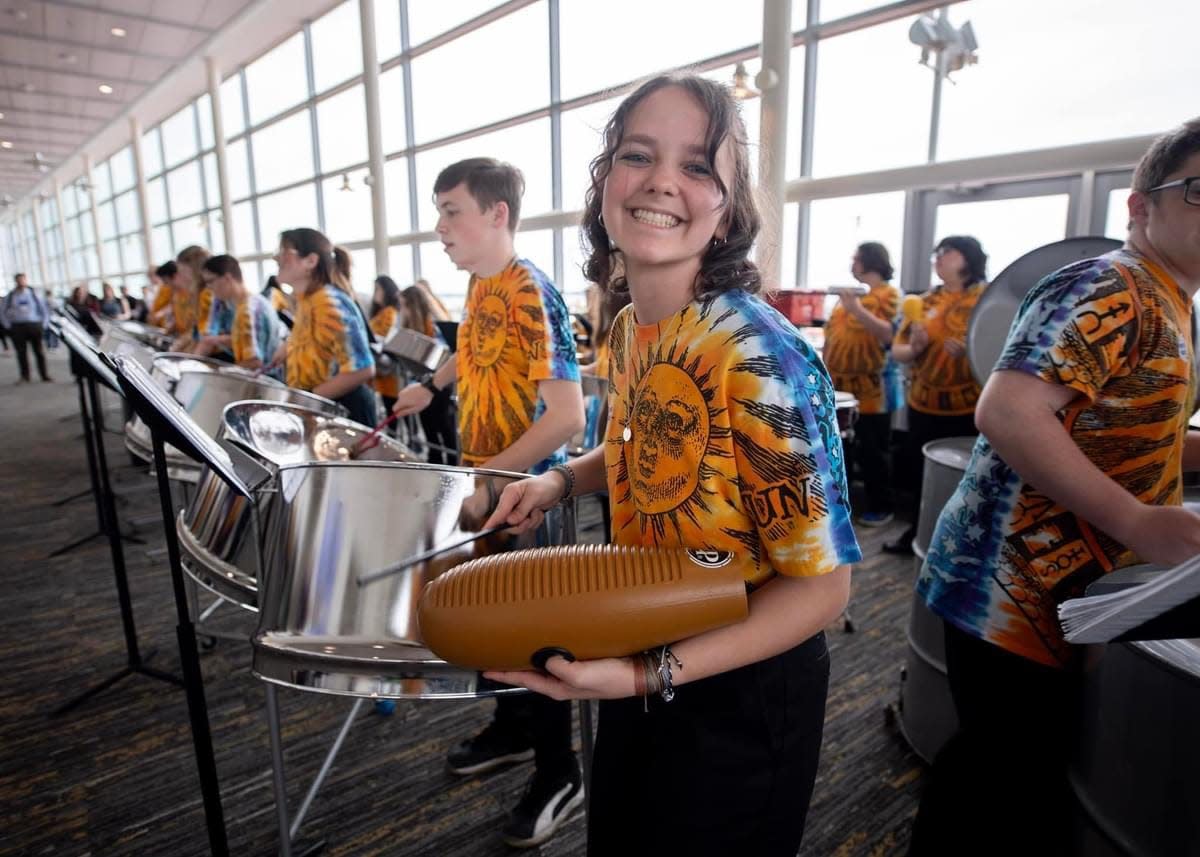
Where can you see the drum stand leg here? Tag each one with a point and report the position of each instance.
(287, 832)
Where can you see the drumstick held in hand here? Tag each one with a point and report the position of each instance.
(363, 580)
(362, 445)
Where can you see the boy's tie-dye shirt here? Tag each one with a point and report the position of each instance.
(943, 384)
(256, 331)
(219, 321)
(855, 358)
(722, 435)
(1003, 556)
(329, 337)
(515, 333)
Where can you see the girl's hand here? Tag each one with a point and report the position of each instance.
(918, 338)
(524, 503)
(607, 678)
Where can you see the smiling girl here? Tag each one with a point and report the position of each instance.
(721, 436)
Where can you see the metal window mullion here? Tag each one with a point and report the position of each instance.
(39, 241)
(410, 137)
(556, 189)
(312, 120)
(250, 160)
(162, 154)
(91, 180)
(807, 131)
(200, 169)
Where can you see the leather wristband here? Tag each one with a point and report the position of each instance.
(427, 383)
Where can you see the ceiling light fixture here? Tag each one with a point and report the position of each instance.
(1, 115)
(105, 89)
(950, 48)
(119, 32)
(346, 183)
(5, 144)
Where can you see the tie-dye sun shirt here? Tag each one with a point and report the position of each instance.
(515, 333)
(722, 435)
(1003, 555)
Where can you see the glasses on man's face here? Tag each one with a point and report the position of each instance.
(1190, 185)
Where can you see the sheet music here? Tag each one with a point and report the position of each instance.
(1101, 618)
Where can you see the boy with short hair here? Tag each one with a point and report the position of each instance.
(519, 401)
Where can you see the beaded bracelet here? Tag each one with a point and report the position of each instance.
(568, 476)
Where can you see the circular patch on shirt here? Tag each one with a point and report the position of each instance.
(489, 330)
(670, 425)
(710, 558)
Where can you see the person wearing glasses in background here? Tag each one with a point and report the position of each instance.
(1078, 472)
(253, 331)
(943, 392)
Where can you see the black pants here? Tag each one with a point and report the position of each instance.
(999, 786)
(4, 336)
(439, 421)
(543, 723)
(910, 469)
(726, 768)
(360, 402)
(26, 334)
(873, 455)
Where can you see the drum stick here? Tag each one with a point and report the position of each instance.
(365, 444)
(427, 555)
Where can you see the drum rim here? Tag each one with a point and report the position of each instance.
(291, 407)
(231, 587)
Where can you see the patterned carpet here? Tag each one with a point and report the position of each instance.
(117, 775)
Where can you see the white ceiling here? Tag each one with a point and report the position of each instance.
(54, 54)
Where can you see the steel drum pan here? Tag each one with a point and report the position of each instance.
(319, 630)
(1134, 772)
(204, 387)
(139, 341)
(216, 537)
(927, 715)
(415, 351)
(997, 307)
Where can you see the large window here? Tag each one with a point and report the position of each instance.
(840, 225)
(184, 201)
(1052, 74)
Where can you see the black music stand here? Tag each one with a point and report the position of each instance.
(170, 423)
(97, 373)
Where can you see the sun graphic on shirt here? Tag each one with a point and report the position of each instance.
(495, 399)
(669, 434)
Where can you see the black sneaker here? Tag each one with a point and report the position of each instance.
(545, 805)
(491, 748)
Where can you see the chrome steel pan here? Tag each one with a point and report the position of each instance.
(997, 307)
(319, 630)
(417, 352)
(215, 531)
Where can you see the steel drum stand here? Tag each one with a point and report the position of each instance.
(106, 509)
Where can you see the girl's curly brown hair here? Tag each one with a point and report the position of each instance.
(726, 263)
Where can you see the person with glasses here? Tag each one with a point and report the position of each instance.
(1078, 471)
(329, 351)
(943, 390)
(249, 328)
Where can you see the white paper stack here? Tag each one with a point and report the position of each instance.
(1101, 618)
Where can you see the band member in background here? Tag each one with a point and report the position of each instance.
(722, 436)
(439, 419)
(519, 401)
(254, 331)
(328, 352)
(1077, 472)
(858, 337)
(385, 317)
(943, 391)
